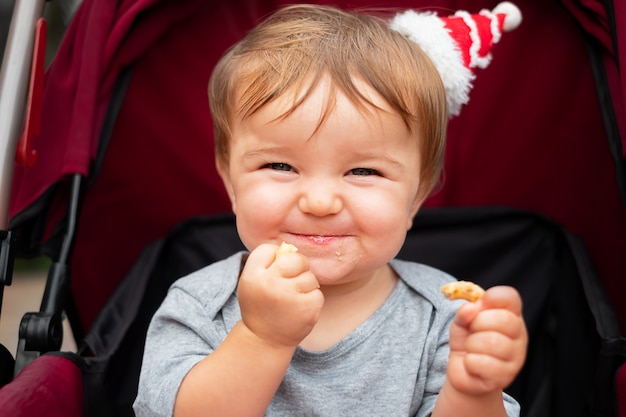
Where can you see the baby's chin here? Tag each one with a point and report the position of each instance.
(329, 270)
(342, 269)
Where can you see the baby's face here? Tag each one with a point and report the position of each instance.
(344, 193)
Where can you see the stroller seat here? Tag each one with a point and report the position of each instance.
(575, 347)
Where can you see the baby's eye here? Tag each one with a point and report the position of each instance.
(364, 171)
(279, 166)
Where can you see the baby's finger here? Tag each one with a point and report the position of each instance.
(262, 256)
(291, 265)
(305, 283)
(492, 372)
(466, 314)
(504, 297)
(493, 344)
(499, 320)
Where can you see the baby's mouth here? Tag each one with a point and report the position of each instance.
(320, 239)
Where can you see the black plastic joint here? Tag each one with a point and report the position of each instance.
(6, 258)
(41, 332)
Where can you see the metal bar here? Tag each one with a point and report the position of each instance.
(14, 80)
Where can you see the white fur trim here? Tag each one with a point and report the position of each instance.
(494, 25)
(429, 32)
(513, 15)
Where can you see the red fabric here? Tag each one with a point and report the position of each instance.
(620, 387)
(617, 61)
(532, 136)
(50, 386)
(78, 86)
(592, 16)
(462, 35)
(159, 167)
(461, 32)
(96, 48)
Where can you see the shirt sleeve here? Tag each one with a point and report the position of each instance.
(194, 318)
(181, 334)
(173, 347)
(438, 366)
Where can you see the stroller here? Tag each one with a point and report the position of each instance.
(546, 116)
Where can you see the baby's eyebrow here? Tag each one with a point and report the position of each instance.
(263, 150)
(356, 158)
(375, 156)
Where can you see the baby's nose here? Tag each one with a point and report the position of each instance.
(320, 200)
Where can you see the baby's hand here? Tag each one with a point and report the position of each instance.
(279, 298)
(488, 342)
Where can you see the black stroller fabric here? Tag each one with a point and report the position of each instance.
(575, 347)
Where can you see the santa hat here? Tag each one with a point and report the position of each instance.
(457, 44)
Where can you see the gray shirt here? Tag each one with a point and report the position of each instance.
(393, 364)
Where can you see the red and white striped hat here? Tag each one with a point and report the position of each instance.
(457, 44)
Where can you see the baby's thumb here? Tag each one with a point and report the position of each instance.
(466, 314)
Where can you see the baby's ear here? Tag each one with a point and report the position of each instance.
(224, 172)
(417, 203)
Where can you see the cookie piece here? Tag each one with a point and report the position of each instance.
(285, 248)
(464, 290)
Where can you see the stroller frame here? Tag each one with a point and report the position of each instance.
(21, 83)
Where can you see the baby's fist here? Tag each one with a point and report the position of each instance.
(488, 342)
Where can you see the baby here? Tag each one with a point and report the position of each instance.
(330, 130)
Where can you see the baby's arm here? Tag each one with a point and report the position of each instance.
(488, 341)
(280, 303)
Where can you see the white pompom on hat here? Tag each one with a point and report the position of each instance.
(457, 44)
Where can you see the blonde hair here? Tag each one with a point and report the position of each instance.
(298, 45)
